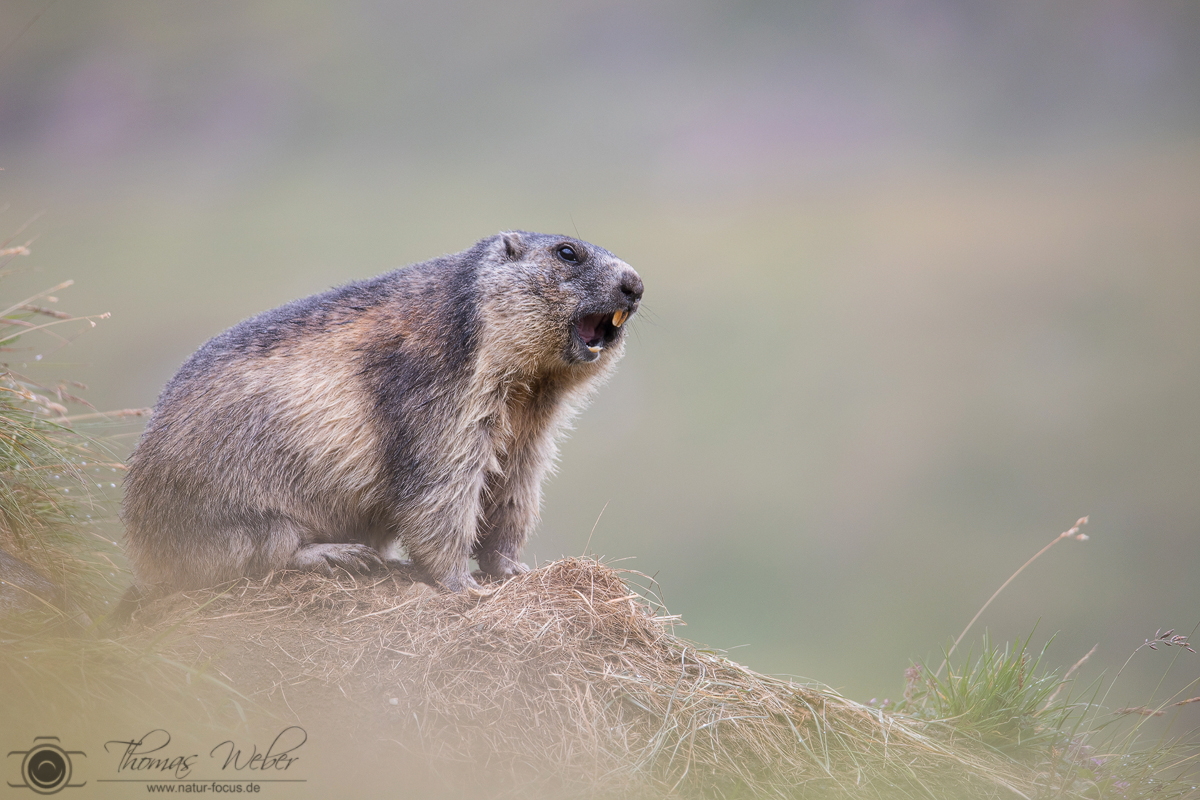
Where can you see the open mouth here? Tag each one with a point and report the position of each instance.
(597, 331)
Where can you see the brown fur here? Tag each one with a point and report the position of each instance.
(420, 408)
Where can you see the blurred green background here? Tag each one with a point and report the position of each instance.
(922, 277)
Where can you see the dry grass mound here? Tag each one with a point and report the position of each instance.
(562, 679)
(559, 681)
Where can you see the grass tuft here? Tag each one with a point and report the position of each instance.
(1001, 697)
(57, 481)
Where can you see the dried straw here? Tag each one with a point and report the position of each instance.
(559, 677)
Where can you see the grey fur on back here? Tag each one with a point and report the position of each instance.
(420, 407)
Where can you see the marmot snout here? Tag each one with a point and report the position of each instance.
(419, 408)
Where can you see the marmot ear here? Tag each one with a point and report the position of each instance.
(514, 246)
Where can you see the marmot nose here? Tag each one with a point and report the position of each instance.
(631, 286)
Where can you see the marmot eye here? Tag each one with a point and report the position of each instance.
(567, 253)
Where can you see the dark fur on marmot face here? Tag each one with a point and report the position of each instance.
(419, 408)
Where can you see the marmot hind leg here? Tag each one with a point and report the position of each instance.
(224, 554)
(328, 558)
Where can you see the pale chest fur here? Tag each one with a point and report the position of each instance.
(515, 415)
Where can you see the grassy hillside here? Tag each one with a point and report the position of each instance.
(570, 680)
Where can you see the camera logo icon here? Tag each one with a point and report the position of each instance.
(46, 767)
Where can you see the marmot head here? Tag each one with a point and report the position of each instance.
(560, 301)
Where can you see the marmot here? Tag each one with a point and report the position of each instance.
(420, 407)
